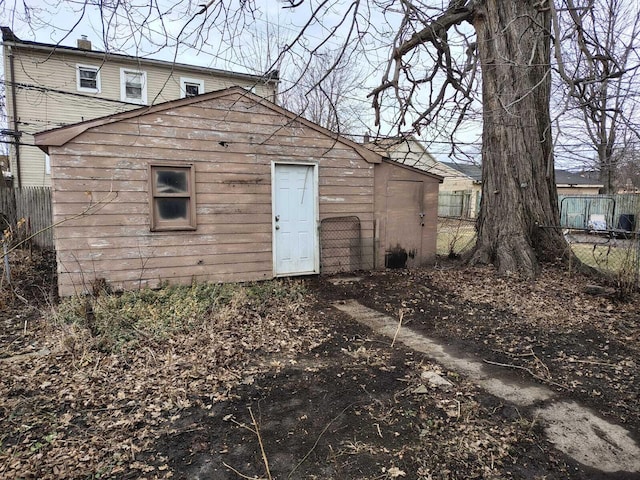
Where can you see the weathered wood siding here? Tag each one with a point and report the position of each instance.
(47, 95)
(232, 142)
(399, 224)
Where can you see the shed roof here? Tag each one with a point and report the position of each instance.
(565, 177)
(414, 169)
(62, 135)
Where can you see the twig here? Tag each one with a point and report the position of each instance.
(398, 329)
(241, 425)
(592, 362)
(318, 439)
(264, 455)
(544, 365)
(530, 354)
(510, 354)
(542, 379)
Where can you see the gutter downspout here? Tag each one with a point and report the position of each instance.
(16, 136)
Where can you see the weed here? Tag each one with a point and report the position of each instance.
(122, 321)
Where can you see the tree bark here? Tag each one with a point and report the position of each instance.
(518, 180)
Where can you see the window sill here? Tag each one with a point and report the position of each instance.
(176, 228)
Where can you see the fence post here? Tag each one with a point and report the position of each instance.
(7, 267)
(636, 237)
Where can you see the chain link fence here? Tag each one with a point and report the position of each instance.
(614, 252)
(341, 245)
(456, 236)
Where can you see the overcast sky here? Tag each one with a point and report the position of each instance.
(246, 43)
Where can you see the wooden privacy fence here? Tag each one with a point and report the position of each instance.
(33, 204)
(455, 204)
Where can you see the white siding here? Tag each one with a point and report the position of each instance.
(51, 98)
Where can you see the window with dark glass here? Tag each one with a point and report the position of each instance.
(191, 90)
(172, 197)
(190, 87)
(88, 78)
(133, 85)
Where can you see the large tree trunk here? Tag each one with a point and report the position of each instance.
(518, 181)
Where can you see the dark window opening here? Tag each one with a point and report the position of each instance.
(172, 197)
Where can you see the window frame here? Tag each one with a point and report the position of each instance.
(158, 225)
(123, 86)
(191, 81)
(79, 87)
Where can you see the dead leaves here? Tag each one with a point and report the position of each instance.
(83, 413)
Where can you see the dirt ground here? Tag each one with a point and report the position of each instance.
(301, 391)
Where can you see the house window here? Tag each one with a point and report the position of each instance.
(190, 87)
(88, 78)
(172, 199)
(133, 86)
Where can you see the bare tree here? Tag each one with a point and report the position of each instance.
(627, 175)
(325, 91)
(512, 42)
(598, 59)
(436, 54)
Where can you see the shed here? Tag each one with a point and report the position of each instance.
(226, 186)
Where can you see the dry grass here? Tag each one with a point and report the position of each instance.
(616, 258)
(455, 236)
(88, 412)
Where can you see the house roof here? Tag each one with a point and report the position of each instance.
(474, 172)
(564, 178)
(62, 135)
(10, 39)
(406, 150)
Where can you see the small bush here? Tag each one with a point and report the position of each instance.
(121, 321)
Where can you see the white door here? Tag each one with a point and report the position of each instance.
(295, 232)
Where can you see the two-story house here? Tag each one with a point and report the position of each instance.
(49, 86)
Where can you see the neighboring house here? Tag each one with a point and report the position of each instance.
(227, 186)
(461, 188)
(567, 183)
(468, 178)
(48, 86)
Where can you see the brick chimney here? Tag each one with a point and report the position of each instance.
(84, 43)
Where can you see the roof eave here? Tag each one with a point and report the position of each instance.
(59, 136)
(97, 54)
(413, 169)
